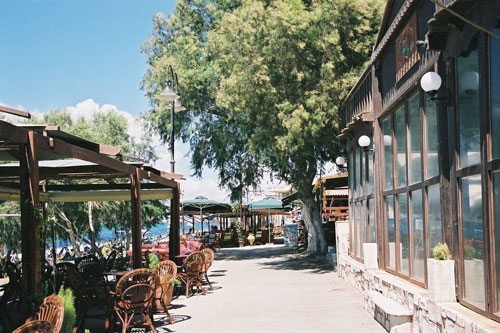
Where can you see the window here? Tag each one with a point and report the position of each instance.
(361, 200)
(411, 213)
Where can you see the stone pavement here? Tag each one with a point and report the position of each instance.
(271, 289)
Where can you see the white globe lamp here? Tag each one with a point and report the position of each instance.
(431, 82)
(364, 141)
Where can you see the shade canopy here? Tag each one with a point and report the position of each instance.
(265, 204)
(208, 206)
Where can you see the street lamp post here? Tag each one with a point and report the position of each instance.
(170, 94)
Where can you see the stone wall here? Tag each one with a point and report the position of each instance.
(427, 316)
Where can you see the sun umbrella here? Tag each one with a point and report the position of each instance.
(266, 205)
(202, 203)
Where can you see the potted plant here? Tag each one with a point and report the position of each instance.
(441, 275)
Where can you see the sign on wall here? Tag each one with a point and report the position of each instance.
(406, 50)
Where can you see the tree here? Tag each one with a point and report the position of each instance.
(265, 85)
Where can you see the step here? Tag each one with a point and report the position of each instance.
(388, 312)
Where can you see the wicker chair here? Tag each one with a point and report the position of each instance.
(36, 326)
(209, 258)
(12, 290)
(134, 296)
(52, 311)
(167, 272)
(192, 272)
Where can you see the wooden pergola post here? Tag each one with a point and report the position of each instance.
(174, 238)
(135, 203)
(30, 227)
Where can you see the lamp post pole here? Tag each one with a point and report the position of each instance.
(172, 141)
(170, 94)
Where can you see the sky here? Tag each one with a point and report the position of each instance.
(84, 56)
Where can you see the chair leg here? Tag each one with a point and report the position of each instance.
(209, 284)
(187, 288)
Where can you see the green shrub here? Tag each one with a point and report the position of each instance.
(441, 252)
(69, 309)
(469, 252)
(152, 260)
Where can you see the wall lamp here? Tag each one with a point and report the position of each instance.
(364, 142)
(430, 83)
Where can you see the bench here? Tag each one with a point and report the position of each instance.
(387, 312)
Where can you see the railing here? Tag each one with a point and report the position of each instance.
(359, 100)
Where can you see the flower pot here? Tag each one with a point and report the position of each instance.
(251, 239)
(167, 297)
(441, 280)
(241, 241)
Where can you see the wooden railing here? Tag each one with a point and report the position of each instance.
(359, 100)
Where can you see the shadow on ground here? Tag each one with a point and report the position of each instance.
(252, 252)
(297, 262)
(282, 258)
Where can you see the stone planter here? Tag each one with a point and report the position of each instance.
(441, 280)
(370, 257)
(241, 241)
(167, 297)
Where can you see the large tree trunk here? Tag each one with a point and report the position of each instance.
(311, 213)
(312, 219)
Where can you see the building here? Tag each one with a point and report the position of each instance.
(431, 170)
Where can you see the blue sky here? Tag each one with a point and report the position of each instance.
(56, 53)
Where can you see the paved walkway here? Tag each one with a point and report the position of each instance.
(271, 289)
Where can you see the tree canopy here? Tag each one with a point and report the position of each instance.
(264, 82)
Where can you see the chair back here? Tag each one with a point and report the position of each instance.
(136, 289)
(35, 326)
(67, 274)
(13, 273)
(110, 261)
(194, 263)
(209, 258)
(51, 310)
(166, 271)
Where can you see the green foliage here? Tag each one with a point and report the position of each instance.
(469, 252)
(441, 252)
(264, 82)
(69, 309)
(152, 260)
(10, 226)
(122, 263)
(176, 282)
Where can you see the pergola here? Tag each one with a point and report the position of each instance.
(45, 153)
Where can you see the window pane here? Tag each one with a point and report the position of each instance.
(432, 139)
(362, 182)
(435, 224)
(387, 130)
(415, 139)
(358, 229)
(468, 109)
(391, 232)
(356, 172)
(371, 221)
(495, 95)
(496, 208)
(473, 244)
(400, 133)
(403, 233)
(417, 230)
(362, 228)
(370, 171)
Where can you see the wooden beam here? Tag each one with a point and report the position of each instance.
(30, 229)
(135, 191)
(15, 112)
(99, 187)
